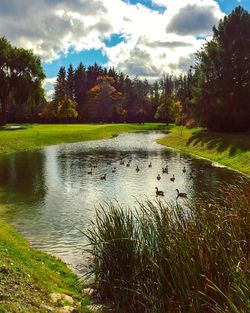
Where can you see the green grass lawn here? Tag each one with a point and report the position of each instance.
(36, 136)
(28, 276)
(229, 149)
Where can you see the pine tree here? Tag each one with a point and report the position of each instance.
(60, 86)
(80, 86)
(70, 82)
(223, 75)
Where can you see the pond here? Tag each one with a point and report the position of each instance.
(51, 196)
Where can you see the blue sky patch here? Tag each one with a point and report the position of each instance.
(87, 57)
(114, 40)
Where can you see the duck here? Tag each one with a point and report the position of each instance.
(114, 170)
(165, 170)
(137, 169)
(184, 170)
(172, 178)
(128, 164)
(121, 162)
(181, 194)
(158, 177)
(150, 164)
(103, 177)
(90, 172)
(159, 192)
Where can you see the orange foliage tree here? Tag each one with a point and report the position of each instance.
(104, 101)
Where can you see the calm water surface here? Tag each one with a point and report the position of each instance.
(52, 197)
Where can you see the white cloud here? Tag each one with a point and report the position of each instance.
(48, 85)
(157, 43)
(154, 42)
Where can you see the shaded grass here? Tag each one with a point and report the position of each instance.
(27, 275)
(36, 136)
(171, 258)
(229, 149)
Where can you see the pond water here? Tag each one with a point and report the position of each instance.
(51, 197)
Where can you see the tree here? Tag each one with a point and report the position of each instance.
(80, 84)
(60, 86)
(175, 110)
(21, 75)
(70, 82)
(49, 112)
(104, 101)
(66, 109)
(223, 75)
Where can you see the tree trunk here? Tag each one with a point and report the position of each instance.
(2, 114)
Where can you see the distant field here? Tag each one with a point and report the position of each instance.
(36, 136)
(229, 149)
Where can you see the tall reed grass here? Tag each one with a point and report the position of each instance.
(166, 257)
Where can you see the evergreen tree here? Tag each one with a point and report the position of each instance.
(70, 82)
(223, 75)
(80, 83)
(60, 86)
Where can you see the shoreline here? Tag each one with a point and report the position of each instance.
(182, 142)
(197, 156)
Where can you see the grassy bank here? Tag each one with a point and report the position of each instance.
(28, 276)
(36, 136)
(190, 258)
(229, 149)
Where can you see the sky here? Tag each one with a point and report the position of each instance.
(139, 37)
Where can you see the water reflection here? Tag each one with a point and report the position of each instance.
(52, 196)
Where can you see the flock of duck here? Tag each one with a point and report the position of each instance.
(158, 177)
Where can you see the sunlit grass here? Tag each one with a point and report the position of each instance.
(36, 136)
(28, 276)
(171, 258)
(229, 149)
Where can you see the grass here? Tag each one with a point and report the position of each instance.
(35, 136)
(171, 258)
(28, 276)
(229, 149)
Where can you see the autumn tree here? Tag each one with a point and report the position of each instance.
(49, 111)
(66, 109)
(104, 101)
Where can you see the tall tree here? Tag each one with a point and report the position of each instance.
(104, 101)
(223, 75)
(80, 83)
(21, 74)
(70, 82)
(60, 86)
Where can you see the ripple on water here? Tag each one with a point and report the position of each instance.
(53, 198)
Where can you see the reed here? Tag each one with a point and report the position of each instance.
(166, 257)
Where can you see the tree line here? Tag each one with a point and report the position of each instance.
(97, 94)
(214, 93)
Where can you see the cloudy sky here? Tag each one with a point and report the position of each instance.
(139, 37)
